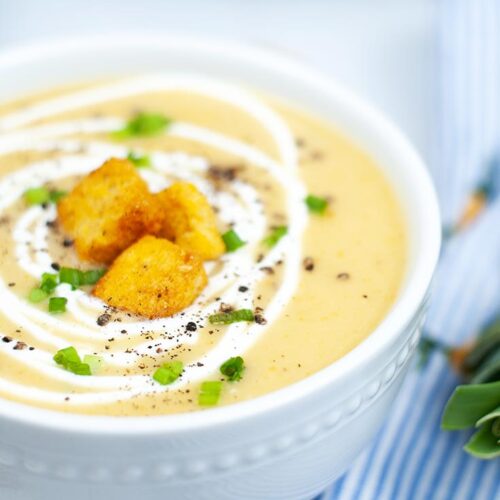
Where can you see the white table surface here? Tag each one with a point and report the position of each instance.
(383, 49)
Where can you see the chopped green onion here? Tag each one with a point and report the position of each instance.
(275, 236)
(316, 204)
(69, 359)
(57, 304)
(168, 372)
(77, 278)
(41, 195)
(56, 196)
(94, 362)
(79, 368)
(37, 196)
(209, 393)
(49, 282)
(233, 368)
(226, 318)
(232, 240)
(67, 355)
(37, 295)
(143, 125)
(140, 161)
(71, 276)
(92, 277)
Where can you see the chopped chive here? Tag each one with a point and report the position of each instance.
(70, 360)
(143, 125)
(37, 295)
(94, 362)
(92, 277)
(70, 275)
(209, 393)
(168, 372)
(37, 196)
(41, 195)
(232, 240)
(226, 318)
(79, 368)
(275, 236)
(57, 305)
(67, 355)
(140, 161)
(233, 368)
(316, 204)
(77, 278)
(49, 282)
(56, 196)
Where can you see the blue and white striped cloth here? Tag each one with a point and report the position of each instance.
(412, 458)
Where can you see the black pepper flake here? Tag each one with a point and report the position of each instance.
(343, 276)
(308, 264)
(12, 284)
(104, 319)
(191, 326)
(259, 319)
(51, 223)
(243, 289)
(20, 346)
(267, 269)
(225, 308)
(7, 339)
(55, 266)
(67, 242)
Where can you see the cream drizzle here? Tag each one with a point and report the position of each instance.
(78, 327)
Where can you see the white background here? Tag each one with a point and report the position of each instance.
(384, 49)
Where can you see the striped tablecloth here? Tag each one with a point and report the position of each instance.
(412, 458)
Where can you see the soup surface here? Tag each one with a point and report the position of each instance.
(318, 276)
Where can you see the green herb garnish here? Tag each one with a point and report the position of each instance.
(57, 305)
(77, 278)
(276, 235)
(69, 359)
(71, 276)
(49, 282)
(140, 161)
(232, 240)
(42, 195)
(143, 125)
(316, 205)
(37, 295)
(56, 196)
(233, 368)
(168, 372)
(226, 318)
(92, 277)
(95, 362)
(209, 393)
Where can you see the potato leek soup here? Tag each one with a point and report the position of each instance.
(171, 243)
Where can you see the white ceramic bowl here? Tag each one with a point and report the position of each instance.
(288, 444)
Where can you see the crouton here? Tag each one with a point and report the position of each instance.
(189, 221)
(152, 278)
(108, 210)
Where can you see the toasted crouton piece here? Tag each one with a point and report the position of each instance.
(153, 278)
(108, 210)
(189, 221)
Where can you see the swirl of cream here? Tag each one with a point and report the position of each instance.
(237, 205)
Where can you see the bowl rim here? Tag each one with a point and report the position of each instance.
(383, 335)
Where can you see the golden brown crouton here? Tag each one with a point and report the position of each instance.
(108, 210)
(152, 278)
(189, 221)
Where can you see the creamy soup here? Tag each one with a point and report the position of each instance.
(318, 276)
